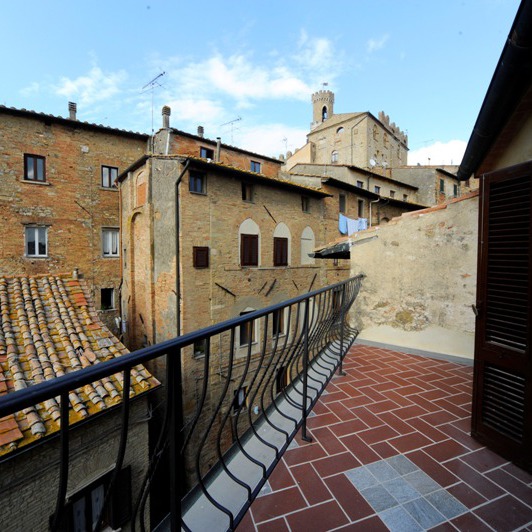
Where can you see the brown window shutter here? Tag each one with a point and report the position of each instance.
(200, 257)
(249, 250)
(280, 251)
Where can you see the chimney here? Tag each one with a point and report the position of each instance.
(218, 148)
(166, 117)
(201, 131)
(72, 109)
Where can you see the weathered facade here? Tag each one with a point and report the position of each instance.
(58, 203)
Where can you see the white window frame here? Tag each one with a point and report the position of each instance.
(37, 231)
(110, 242)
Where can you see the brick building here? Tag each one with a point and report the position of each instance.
(58, 203)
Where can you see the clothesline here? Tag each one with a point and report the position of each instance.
(348, 226)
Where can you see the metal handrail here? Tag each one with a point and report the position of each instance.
(223, 426)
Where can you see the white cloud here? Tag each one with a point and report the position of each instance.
(31, 90)
(439, 153)
(270, 140)
(377, 44)
(93, 87)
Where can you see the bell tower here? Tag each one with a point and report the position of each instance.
(322, 107)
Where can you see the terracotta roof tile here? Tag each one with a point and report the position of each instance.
(47, 329)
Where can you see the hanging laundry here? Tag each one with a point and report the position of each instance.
(342, 223)
(362, 224)
(352, 226)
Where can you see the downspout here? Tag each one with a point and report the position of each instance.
(370, 203)
(177, 254)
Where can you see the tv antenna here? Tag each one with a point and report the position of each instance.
(150, 86)
(232, 124)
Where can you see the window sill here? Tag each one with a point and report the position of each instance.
(110, 189)
(198, 193)
(110, 256)
(34, 257)
(33, 182)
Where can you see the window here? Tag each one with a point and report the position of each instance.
(360, 208)
(280, 251)
(247, 331)
(83, 508)
(36, 241)
(240, 400)
(107, 298)
(200, 257)
(305, 204)
(247, 192)
(341, 202)
(281, 379)
(360, 184)
(34, 168)
(110, 240)
(249, 250)
(334, 157)
(377, 189)
(307, 245)
(109, 175)
(278, 327)
(196, 182)
(339, 130)
(392, 193)
(255, 167)
(455, 191)
(206, 153)
(442, 186)
(200, 347)
(405, 197)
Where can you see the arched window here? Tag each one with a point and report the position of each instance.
(281, 245)
(340, 130)
(324, 113)
(308, 243)
(334, 157)
(249, 238)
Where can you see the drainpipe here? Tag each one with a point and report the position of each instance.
(218, 149)
(370, 203)
(177, 254)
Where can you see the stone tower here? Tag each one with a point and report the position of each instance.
(322, 107)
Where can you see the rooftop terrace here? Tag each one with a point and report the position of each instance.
(391, 450)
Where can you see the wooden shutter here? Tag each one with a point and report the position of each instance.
(200, 257)
(502, 399)
(280, 251)
(249, 250)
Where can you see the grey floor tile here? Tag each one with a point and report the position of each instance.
(361, 478)
(382, 471)
(422, 482)
(265, 489)
(293, 444)
(379, 498)
(444, 502)
(397, 519)
(401, 490)
(424, 513)
(402, 464)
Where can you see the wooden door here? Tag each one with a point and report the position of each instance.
(502, 392)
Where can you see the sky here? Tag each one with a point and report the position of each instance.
(246, 69)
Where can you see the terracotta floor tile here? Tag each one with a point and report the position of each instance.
(370, 392)
(372, 524)
(335, 464)
(377, 434)
(461, 437)
(305, 453)
(310, 483)
(463, 424)
(370, 419)
(446, 450)
(323, 517)
(334, 396)
(444, 527)
(459, 399)
(246, 525)
(382, 406)
(421, 383)
(466, 495)
(432, 395)
(383, 449)
(322, 420)
(362, 452)
(519, 473)
(397, 398)
(438, 418)
(506, 513)
(348, 427)
(352, 502)
(277, 504)
(341, 411)
(385, 386)
(459, 411)
(515, 487)
(470, 523)
(328, 440)
(483, 460)
(276, 525)
(397, 424)
(408, 412)
(281, 477)
(429, 406)
(436, 471)
(409, 442)
(474, 479)
(427, 430)
(355, 402)
(320, 408)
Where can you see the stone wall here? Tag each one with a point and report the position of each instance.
(420, 279)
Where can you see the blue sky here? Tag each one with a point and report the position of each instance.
(425, 63)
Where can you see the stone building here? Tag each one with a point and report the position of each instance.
(58, 203)
(48, 328)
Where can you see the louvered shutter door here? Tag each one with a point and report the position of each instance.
(502, 401)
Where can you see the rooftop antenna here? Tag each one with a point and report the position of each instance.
(150, 86)
(285, 140)
(231, 123)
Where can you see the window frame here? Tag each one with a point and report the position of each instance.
(334, 156)
(442, 186)
(197, 177)
(377, 189)
(34, 158)
(392, 194)
(200, 347)
(112, 299)
(305, 203)
(109, 174)
(255, 167)
(206, 153)
(360, 206)
(250, 331)
(360, 184)
(110, 231)
(200, 257)
(36, 229)
(278, 323)
(280, 251)
(249, 250)
(342, 203)
(247, 192)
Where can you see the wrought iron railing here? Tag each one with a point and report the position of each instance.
(235, 393)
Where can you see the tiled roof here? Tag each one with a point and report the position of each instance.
(47, 329)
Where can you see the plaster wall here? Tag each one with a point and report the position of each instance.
(420, 280)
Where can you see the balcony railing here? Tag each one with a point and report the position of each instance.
(235, 394)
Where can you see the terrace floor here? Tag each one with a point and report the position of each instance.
(391, 451)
